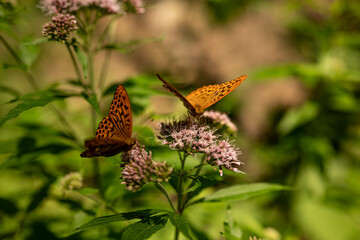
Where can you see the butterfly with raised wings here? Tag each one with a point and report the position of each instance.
(114, 132)
(200, 99)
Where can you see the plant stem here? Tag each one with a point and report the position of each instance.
(90, 76)
(198, 170)
(163, 190)
(76, 66)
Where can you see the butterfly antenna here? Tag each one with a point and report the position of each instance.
(142, 129)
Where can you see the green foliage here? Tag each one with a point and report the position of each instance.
(243, 192)
(313, 147)
(28, 101)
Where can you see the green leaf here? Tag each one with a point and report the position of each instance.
(141, 214)
(8, 207)
(144, 229)
(82, 60)
(231, 227)
(323, 221)
(194, 187)
(205, 182)
(29, 51)
(28, 101)
(295, 118)
(180, 223)
(88, 190)
(27, 146)
(243, 192)
(92, 99)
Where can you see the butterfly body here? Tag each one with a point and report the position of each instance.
(200, 99)
(114, 132)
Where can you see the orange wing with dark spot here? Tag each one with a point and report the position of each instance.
(208, 95)
(200, 99)
(114, 131)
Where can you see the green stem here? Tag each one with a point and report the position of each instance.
(89, 52)
(180, 183)
(176, 234)
(163, 190)
(76, 66)
(198, 170)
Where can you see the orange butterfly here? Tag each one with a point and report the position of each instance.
(114, 132)
(204, 97)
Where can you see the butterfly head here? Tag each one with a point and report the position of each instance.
(130, 143)
(197, 111)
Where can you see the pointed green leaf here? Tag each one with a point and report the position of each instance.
(243, 192)
(180, 223)
(28, 101)
(29, 51)
(141, 214)
(92, 99)
(82, 60)
(144, 229)
(295, 118)
(194, 187)
(232, 229)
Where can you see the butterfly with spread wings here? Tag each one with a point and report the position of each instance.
(200, 99)
(114, 132)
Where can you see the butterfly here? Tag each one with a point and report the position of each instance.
(113, 134)
(204, 97)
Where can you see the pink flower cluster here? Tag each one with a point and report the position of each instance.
(221, 118)
(139, 169)
(224, 154)
(71, 6)
(60, 27)
(192, 138)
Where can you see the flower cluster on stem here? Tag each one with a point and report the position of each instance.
(71, 182)
(192, 137)
(71, 6)
(60, 27)
(140, 168)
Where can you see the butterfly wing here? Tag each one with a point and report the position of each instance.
(208, 95)
(114, 132)
(174, 91)
(202, 95)
(120, 113)
(107, 147)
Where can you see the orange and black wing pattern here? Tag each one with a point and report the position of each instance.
(200, 99)
(114, 131)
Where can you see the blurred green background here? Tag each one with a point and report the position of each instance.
(298, 115)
